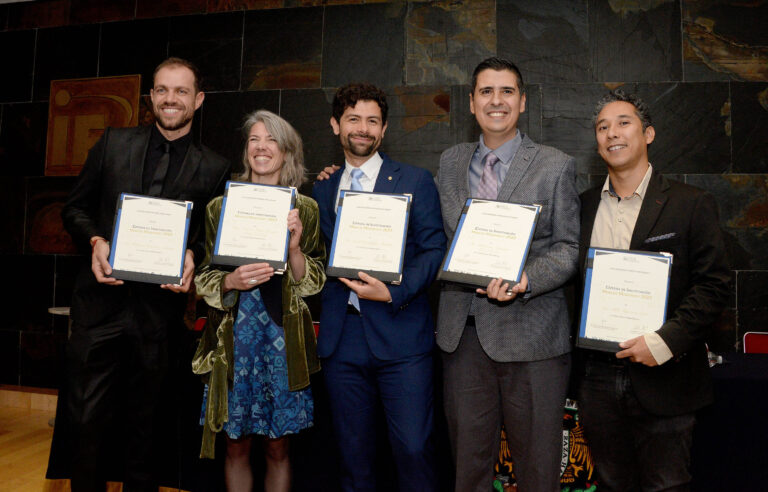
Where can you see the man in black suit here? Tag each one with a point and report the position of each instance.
(117, 354)
(638, 406)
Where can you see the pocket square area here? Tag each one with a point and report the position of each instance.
(660, 237)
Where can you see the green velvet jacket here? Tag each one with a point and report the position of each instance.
(214, 359)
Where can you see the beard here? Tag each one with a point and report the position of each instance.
(172, 123)
(360, 150)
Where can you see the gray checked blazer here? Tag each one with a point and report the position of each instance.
(537, 328)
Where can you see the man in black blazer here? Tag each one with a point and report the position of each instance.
(638, 406)
(117, 354)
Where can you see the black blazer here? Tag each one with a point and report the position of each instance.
(115, 165)
(682, 220)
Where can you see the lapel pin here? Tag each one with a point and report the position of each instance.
(389, 178)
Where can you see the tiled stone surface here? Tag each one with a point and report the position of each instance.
(226, 5)
(12, 201)
(364, 43)
(9, 356)
(445, 40)
(16, 52)
(153, 8)
(43, 13)
(743, 204)
(90, 11)
(64, 53)
(222, 119)
(44, 231)
(566, 124)
(133, 47)
(32, 294)
(418, 127)
(41, 359)
(22, 139)
(723, 336)
(548, 41)
(214, 43)
(3, 17)
(292, 57)
(634, 41)
(749, 127)
(66, 269)
(725, 40)
(751, 290)
(691, 122)
(309, 111)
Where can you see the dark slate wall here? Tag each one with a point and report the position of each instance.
(701, 64)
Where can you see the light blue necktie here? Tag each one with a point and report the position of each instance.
(356, 174)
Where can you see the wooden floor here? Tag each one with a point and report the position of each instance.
(25, 441)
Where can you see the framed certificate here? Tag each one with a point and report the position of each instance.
(369, 235)
(253, 225)
(625, 296)
(149, 239)
(492, 240)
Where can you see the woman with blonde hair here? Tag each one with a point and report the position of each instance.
(259, 346)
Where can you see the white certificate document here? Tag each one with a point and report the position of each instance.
(369, 235)
(253, 225)
(149, 240)
(492, 240)
(625, 296)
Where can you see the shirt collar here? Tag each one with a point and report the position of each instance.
(156, 141)
(370, 167)
(639, 191)
(505, 152)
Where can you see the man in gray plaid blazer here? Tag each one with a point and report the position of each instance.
(506, 357)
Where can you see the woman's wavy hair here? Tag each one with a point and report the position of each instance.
(288, 140)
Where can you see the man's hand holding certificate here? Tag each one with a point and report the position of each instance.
(149, 241)
(369, 236)
(625, 296)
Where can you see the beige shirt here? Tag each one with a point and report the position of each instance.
(614, 224)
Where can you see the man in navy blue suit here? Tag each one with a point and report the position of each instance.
(376, 340)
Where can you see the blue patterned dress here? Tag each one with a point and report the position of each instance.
(259, 399)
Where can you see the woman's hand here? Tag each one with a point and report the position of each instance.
(295, 228)
(295, 256)
(246, 277)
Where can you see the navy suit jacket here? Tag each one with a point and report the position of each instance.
(403, 327)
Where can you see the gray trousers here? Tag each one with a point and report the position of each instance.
(528, 397)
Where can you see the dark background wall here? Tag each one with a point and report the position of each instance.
(701, 64)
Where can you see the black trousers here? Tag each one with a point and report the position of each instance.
(633, 449)
(113, 370)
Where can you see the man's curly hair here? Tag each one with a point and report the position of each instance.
(348, 96)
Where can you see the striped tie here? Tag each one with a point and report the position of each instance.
(488, 187)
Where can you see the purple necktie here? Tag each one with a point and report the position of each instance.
(488, 187)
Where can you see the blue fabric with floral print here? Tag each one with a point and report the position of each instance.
(259, 399)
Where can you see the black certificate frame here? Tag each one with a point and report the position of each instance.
(150, 278)
(482, 281)
(585, 342)
(393, 278)
(235, 261)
